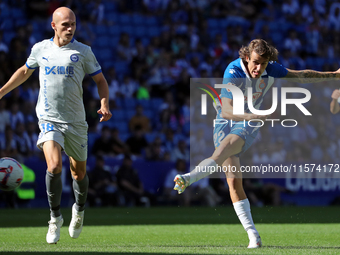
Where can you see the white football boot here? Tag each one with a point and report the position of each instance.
(53, 233)
(180, 183)
(76, 224)
(254, 241)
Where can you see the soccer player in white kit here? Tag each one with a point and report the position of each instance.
(63, 63)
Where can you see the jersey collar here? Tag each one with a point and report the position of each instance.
(246, 72)
(244, 68)
(70, 41)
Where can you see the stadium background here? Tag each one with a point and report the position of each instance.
(148, 51)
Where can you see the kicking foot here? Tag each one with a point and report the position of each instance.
(53, 233)
(76, 224)
(180, 183)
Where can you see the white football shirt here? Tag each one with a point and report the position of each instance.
(62, 70)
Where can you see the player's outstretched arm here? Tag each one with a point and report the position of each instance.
(334, 107)
(103, 91)
(311, 76)
(227, 112)
(19, 77)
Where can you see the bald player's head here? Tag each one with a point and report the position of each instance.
(61, 13)
(64, 25)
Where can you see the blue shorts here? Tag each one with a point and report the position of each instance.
(224, 127)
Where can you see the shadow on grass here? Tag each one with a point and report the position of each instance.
(172, 215)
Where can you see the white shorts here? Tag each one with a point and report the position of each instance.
(71, 137)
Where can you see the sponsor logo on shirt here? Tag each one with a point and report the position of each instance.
(45, 96)
(68, 71)
(256, 96)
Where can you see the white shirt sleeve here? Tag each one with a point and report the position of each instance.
(32, 62)
(92, 66)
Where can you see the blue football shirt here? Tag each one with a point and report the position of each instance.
(237, 74)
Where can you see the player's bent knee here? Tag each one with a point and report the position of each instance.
(54, 168)
(78, 176)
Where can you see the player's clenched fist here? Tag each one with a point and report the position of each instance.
(336, 94)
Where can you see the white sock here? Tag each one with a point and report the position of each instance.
(56, 219)
(204, 169)
(242, 209)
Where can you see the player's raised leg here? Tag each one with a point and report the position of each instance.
(80, 188)
(230, 145)
(241, 202)
(52, 152)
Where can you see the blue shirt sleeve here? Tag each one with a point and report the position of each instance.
(233, 75)
(276, 70)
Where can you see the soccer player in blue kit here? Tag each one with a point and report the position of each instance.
(63, 63)
(257, 68)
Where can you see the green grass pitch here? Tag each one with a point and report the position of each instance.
(171, 230)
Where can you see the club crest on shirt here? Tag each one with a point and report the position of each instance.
(74, 58)
(260, 85)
